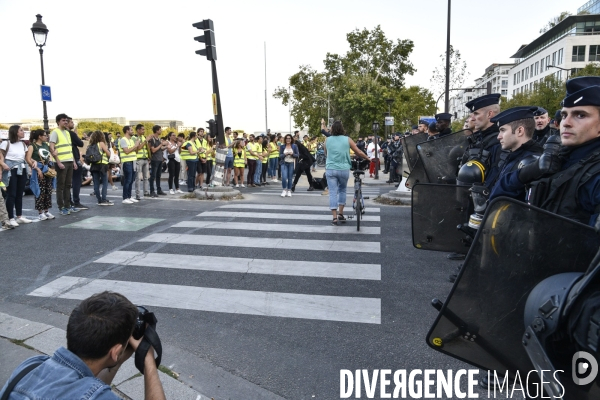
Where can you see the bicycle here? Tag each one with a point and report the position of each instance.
(320, 157)
(358, 203)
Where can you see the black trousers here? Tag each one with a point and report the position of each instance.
(301, 167)
(76, 184)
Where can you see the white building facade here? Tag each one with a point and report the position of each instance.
(560, 51)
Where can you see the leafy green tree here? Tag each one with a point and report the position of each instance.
(409, 104)
(555, 21)
(356, 83)
(591, 69)
(547, 94)
(2, 126)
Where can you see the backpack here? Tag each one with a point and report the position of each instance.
(92, 155)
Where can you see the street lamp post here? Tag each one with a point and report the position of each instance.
(447, 97)
(564, 69)
(375, 129)
(40, 33)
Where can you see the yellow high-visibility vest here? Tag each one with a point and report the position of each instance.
(104, 155)
(239, 161)
(185, 154)
(201, 144)
(131, 156)
(142, 154)
(63, 145)
(274, 150)
(253, 147)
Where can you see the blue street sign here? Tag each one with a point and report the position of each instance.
(46, 93)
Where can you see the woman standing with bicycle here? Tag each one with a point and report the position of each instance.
(337, 168)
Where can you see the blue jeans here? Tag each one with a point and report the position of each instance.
(155, 173)
(98, 176)
(337, 181)
(272, 167)
(287, 175)
(191, 174)
(127, 178)
(257, 172)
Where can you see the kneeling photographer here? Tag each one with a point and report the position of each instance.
(103, 331)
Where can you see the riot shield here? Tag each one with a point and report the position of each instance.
(436, 211)
(516, 247)
(417, 175)
(409, 147)
(442, 156)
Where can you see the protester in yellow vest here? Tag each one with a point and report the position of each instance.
(201, 145)
(60, 147)
(239, 162)
(142, 173)
(273, 158)
(229, 159)
(128, 150)
(189, 153)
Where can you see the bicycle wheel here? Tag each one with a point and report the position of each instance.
(321, 160)
(358, 209)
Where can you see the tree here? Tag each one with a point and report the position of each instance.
(591, 69)
(2, 126)
(409, 104)
(356, 83)
(555, 21)
(458, 72)
(547, 94)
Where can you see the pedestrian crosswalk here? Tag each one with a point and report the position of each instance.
(374, 192)
(295, 242)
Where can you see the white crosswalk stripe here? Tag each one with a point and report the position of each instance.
(266, 218)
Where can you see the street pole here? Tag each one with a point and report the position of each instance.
(219, 114)
(447, 97)
(266, 121)
(290, 106)
(46, 127)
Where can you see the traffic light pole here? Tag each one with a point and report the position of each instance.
(218, 116)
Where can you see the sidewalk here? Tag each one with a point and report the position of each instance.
(21, 339)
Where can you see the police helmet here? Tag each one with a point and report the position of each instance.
(471, 172)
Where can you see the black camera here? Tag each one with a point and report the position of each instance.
(144, 317)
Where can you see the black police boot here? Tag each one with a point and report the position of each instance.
(293, 188)
(454, 275)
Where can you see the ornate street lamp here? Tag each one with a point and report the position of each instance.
(375, 129)
(40, 34)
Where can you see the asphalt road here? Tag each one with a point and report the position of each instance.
(256, 332)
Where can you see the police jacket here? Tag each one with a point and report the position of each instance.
(574, 191)
(445, 132)
(486, 149)
(541, 136)
(509, 162)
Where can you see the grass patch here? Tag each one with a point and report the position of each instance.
(21, 343)
(167, 371)
(391, 202)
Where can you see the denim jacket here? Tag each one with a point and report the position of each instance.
(62, 376)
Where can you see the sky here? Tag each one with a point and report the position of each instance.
(136, 59)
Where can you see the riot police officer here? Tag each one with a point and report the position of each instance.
(485, 147)
(543, 130)
(395, 156)
(566, 180)
(442, 123)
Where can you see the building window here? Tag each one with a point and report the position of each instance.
(594, 54)
(514, 79)
(504, 92)
(531, 86)
(578, 53)
(522, 75)
(553, 58)
(542, 66)
(547, 62)
(537, 68)
(560, 57)
(504, 83)
(531, 71)
(526, 73)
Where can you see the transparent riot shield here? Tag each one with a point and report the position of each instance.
(417, 175)
(516, 247)
(436, 212)
(409, 147)
(442, 156)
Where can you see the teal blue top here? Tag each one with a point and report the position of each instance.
(338, 153)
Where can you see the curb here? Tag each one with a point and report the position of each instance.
(127, 384)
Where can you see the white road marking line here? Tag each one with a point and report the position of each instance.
(349, 229)
(245, 265)
(285, 207)
(270, 304)
(283, 217)
(240, 241)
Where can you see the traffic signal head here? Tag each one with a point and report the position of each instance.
(212, 127)
(208, 39)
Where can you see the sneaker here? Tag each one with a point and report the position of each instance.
(275, 180)
(237, 186)
(153, 195)
(73, 209)
(13, 222)
(114, 187)
(23, 220)
(325, 192)
(310, 189)
(108, 203)
(80, 206)
(283, 193)
(48, 215)
(64, 211)
(133, 200)
(161, 193)
(179, 191)
(289, 193)
(42, 217)
(182, 182)
(138, 198)
(293, 188)
(147, 194)
(171, 191)
(6, 225)
(127, 201)
(92, 194)
(242, 185)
